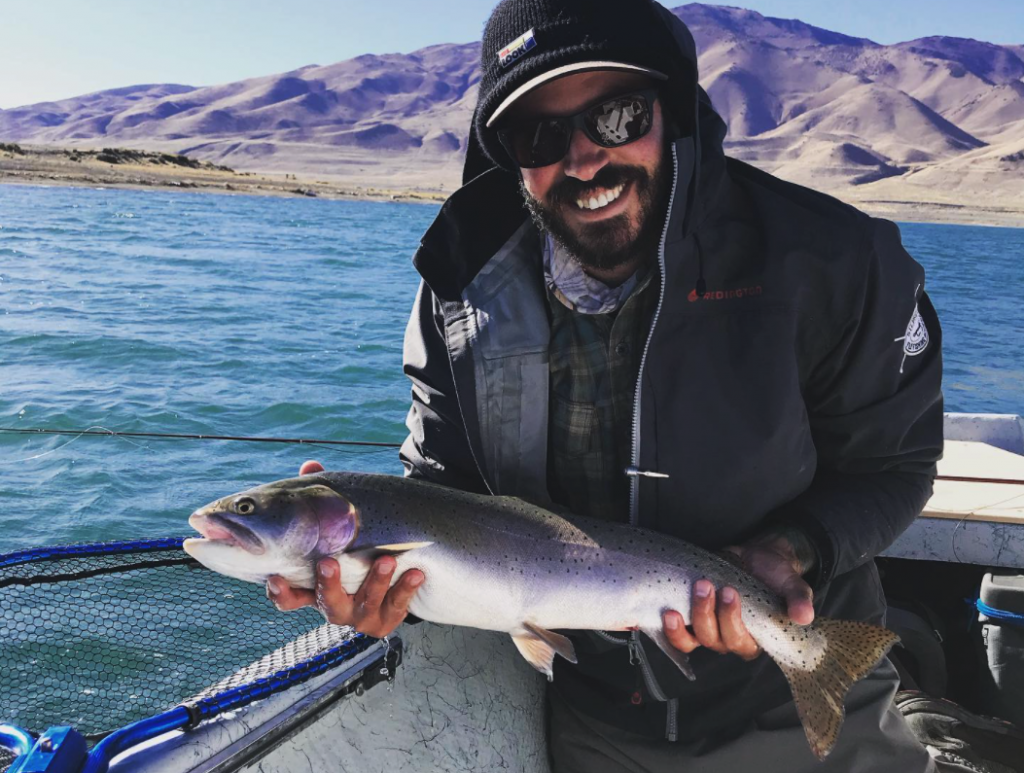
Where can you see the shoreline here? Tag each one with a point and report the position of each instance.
(53, 166)
(938, 213)
(81, 169)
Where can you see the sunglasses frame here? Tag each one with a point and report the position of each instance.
(577, 121)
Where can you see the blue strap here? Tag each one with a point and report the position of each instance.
(999, 614)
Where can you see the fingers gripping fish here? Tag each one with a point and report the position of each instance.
(501, 564)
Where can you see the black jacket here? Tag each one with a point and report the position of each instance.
(802, 386)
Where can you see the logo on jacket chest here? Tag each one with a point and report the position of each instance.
(722, 295)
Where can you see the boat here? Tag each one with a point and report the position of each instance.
(976, 512)
(439, 698)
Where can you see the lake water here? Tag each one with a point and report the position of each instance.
(233, 315)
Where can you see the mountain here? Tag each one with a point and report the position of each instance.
(807, 103)
(995, 64)
(713, 23)
(80, 118)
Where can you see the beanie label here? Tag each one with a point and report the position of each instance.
(517, 49)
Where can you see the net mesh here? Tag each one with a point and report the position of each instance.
(302, 649)
(100, 636)
(6, 758)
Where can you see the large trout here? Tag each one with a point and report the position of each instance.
(502, 564)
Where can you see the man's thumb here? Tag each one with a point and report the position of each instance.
(799, 601)
(310, 466)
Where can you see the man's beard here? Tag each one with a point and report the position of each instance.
(610, 243)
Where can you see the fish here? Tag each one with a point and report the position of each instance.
(502, 564)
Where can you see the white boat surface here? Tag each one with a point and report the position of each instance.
(976, 512)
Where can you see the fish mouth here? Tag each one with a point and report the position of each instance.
(223, 529)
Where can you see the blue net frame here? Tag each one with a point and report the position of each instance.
(111, 636)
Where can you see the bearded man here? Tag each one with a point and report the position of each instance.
(618, 319)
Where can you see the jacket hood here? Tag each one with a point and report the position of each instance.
(705, 126)
(478, 218)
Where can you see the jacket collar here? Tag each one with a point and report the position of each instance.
(472, 226)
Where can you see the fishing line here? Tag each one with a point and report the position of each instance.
(952, 538)
(89, 431)
(358, 451)
(963, 522)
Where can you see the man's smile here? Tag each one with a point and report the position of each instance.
(600, 204)
(600, 198)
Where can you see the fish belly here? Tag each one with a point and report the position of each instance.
(556, 589)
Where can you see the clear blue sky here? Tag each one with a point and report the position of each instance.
(51, 49)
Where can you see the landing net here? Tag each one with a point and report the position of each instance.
(99, 636)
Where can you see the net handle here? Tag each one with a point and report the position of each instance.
(187, 716)
(15, 740)
(99, 758)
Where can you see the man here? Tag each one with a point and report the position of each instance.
(667, 337)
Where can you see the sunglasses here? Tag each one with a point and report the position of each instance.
(610, 123)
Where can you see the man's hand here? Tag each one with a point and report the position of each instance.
(373, 609)
(779, 558)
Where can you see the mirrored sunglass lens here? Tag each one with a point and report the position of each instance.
(539, 144)
(620, 120)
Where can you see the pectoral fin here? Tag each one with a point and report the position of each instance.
(539, 645)
(356, 564)
(371, 553)
(680, 658)
(400, 547)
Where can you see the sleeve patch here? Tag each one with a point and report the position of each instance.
(915, 339)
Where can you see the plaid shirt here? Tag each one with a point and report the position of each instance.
(594, 363)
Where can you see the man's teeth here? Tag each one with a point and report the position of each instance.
(603, 199)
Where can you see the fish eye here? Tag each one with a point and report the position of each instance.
(245, 506)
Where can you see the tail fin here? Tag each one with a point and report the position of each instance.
(852, 650)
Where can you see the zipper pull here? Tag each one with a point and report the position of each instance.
(637, 698)
(634, 653)
(634, 472)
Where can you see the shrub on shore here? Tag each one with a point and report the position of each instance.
(128, 156)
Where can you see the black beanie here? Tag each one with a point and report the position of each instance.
(525, 39)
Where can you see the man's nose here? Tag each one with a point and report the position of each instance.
(585, 157)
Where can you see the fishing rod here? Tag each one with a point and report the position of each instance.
(968, 479)
(314, 441)
(187, 436)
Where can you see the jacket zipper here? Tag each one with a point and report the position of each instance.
(638, 657)
(672, 721)
(633, 471)
(636, 650)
